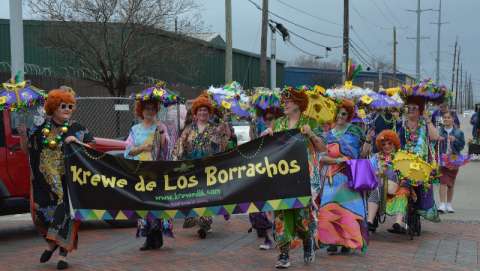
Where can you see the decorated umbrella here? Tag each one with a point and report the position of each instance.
(411, 166)
(20, 96)
(264, 98)
(380, 101)
(158, 93)
(426, 89)
(320, 108)
(232, 98)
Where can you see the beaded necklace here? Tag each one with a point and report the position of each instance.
(47, 134)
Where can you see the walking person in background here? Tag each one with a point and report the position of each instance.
(451, 145)
(437, 116)
(148, 141)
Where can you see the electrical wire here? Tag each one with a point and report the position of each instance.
(312, 42)
(301, 50)
(309, 14)
(295, 24)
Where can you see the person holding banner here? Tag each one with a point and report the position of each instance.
(292, 223)
(148, 141)
(49, 201)
(262, 221)
(342, 213)
(200, 139)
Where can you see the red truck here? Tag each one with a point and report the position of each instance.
(14, 166)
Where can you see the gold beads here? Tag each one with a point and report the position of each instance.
(52, 144)
(45, 132)
(64, 129)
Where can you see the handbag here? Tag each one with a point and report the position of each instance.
(361, 176)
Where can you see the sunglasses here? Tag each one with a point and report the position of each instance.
(64, 106)
(343, 113)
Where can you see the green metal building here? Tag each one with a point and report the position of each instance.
(208, 59)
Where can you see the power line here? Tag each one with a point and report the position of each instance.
(302, 50)
(309, 14)
(381, 12)
(312, 42)
(364, 18)
(295, 24)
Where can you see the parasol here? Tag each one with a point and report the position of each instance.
(20, 96)
(232, 98)
(320, 108)
(412, 167)
(158, 93)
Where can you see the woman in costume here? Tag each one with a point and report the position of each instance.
(301, 223)
(199, 139)
(148, 141)
(342, 213)
(415, 136)
(451, 145)
(261, 222)
(48, 200)
(392, 194)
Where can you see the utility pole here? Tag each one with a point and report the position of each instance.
(395, 53)
(439, 26)
(453, 70)
(273, 57)
(228, 47)
(263, 46)
(418, 38)
(460, 89)
(16, 39)
(456, 78)
(346, 38)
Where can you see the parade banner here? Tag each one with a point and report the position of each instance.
(269, 173)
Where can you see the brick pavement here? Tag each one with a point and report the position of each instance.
(445, 246)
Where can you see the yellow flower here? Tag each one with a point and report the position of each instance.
(3, 100)
(366, 99)
(348, 84)
(361, 114)
(226, 104)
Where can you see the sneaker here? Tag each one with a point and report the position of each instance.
(345, 250)
(442, 208)
(283, 261)
(450, 208)
(265, 246)
(398, 229)
(62, 265)
(308, 251)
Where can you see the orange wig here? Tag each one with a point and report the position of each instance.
(56, 97)
(140, 105)
(297, 96)
(201, 102)
(387, 135)
(349, 107)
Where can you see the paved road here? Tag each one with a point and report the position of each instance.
(453, 244)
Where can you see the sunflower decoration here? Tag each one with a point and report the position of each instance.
(320, 107)
(412, 167)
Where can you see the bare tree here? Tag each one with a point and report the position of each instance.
(116, 42)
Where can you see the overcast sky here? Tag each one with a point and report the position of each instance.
(372, 22)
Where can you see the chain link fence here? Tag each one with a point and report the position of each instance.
(109, 117)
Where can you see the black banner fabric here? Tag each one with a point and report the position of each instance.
(269, 173)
